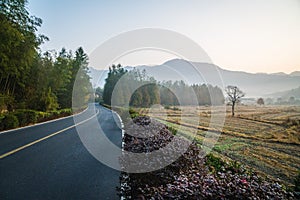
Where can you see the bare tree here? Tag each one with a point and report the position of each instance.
(234, 96)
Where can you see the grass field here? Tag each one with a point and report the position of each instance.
(265, 138)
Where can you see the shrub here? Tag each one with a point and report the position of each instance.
(21, 118)
(10, 121)
(133, 113)
(1, 122)
(43, 116)
(31, 116)
(176, 109)
(26, 117)
(65, 112)
(215, 162)
(167, 107)
(40, 116)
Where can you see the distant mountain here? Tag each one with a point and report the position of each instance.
(279, 74)
(254, 85)
(287, 94)
(295, 73)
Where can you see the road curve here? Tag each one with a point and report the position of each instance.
(58, 167)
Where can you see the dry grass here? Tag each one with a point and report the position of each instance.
(257, 136)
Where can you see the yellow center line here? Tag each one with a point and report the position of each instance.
(44, 138)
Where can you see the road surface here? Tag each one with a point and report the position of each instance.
(49, 161)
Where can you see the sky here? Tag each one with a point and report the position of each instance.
(241, 35)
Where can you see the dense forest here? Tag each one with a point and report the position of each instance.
(140, 90)
(29, 78)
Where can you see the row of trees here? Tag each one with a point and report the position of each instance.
(190, 95)
(29, 78)
(139, 90)
(120, 88)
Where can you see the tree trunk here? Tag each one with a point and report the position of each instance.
(232, 109)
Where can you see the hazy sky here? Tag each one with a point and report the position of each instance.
(244, 35)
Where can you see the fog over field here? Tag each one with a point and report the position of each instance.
(253, 84)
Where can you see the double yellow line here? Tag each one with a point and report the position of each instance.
(44, 138)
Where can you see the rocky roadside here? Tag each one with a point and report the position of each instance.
(191, 176)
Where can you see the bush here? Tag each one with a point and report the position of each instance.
(176, 109)
(21, 118)
(65, 112)
(10, 121)
(26, 117)
(167, 107)
(31, 116)
(215, 162)
(1, 122)
(43, 116)
(133, 113)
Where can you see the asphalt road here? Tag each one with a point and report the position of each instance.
(58, 167)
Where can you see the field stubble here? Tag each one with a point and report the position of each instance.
(258, 136)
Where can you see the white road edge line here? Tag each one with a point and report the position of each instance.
(123, 132)
(44, 138)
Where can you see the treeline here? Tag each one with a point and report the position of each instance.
(199, 94)
(30, 79)
(140, 90)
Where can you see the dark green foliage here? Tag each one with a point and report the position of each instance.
(99, 95)
(167, 107)
(122, 84)
(235, 166)
(145, 96)
(175, 108)
(147, 91)
(21, 116)
(26, 117)
(215, 162)
(48, 101)
(29, 79)
(114, 74)
(9, 121)
(19, 44)
(45, 116)
(1, 122)
(133, 113)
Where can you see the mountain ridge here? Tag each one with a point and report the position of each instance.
(253, 84)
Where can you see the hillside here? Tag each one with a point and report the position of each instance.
(254, 85)
(287, 94)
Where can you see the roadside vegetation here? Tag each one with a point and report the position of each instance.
(258, 140)
(34, 85)
(20, 118)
